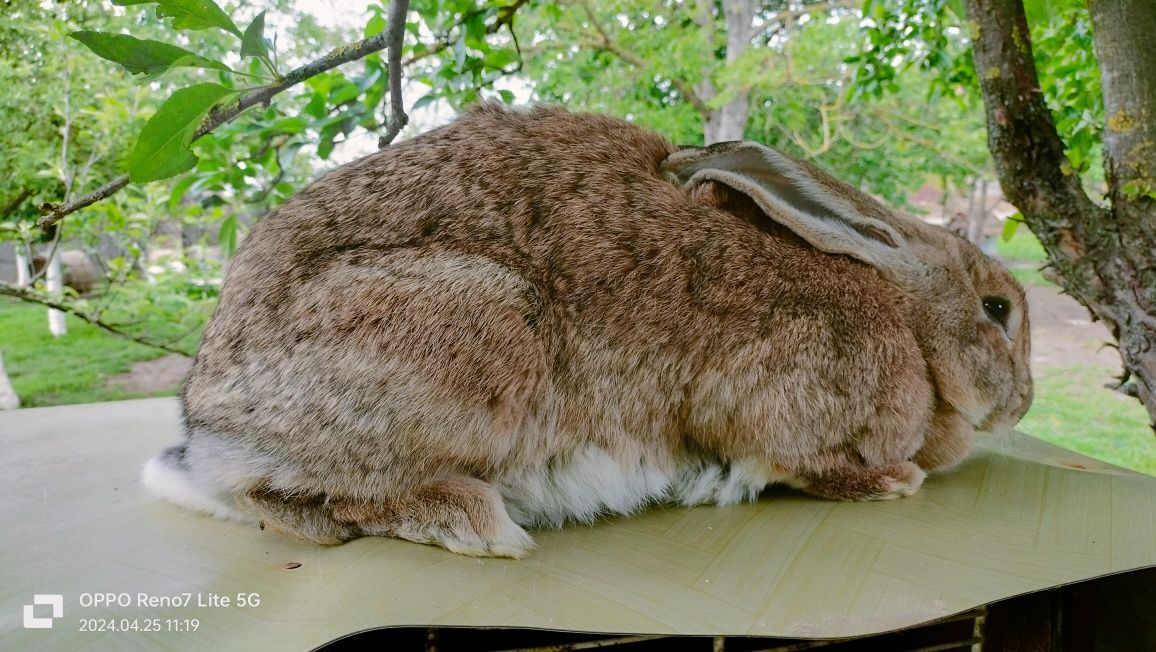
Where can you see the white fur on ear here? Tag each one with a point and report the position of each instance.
(175, 485)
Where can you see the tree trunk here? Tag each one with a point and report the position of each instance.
(977, 213)
(1105, 258)
(727, 123)
(54, 283)
(1124, 32)
(8, 398)
(730, 121)
(23, 275)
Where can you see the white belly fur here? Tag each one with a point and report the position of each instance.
(591, 482)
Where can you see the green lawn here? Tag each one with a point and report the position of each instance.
(1024, 255)
(1023, 246)
(1072, 409)
(49, 371)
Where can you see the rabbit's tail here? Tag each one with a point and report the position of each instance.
(169, 476)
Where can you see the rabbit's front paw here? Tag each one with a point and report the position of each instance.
(509, 541)
(462, 515)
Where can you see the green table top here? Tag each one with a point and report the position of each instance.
(1019, 516)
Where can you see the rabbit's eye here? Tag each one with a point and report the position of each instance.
(997, 308)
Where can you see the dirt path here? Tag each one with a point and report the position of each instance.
(160, 375)
(1063, 334)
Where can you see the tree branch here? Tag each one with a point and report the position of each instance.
(54, 214)
(1028, 152)
(33, 296)
(228, 112)
(903, 134)
(219, 116)
(607, 44)
(395, 35)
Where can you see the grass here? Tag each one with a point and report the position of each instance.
(1024, 255)
(73, 369)
(1022, 246)
(1074, 410)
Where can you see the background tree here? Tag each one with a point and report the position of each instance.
(213, 66)
(59, 143)
(773, 72)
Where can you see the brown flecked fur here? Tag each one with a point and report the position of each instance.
(476, 304)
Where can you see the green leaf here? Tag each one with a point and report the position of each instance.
(291, 125)
(162, 150)
(375, 26)
(344, 93)
(253, 42)
(460, 54)
(1009, 227)
(227, 236)
(500, 58)
(476, 32)
(316, 106)
(189, 14)
(422, 101)
(142, 56)
(196, 61)
(325, 148)
(177, 194)
(507, 96)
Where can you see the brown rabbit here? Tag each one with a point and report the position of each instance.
(530, 317)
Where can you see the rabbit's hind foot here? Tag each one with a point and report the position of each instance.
(859, 483)
(463, 515)
(301, 515)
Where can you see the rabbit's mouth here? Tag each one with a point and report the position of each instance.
(1002, 418)
(985, 424)
(997, 423)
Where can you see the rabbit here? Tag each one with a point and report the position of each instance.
(530, 317)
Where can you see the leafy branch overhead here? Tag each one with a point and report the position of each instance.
(163, 147)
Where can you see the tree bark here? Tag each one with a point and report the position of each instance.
(977, 213)
(729, 121)
(1124, 32)
(23, 275)
(1106, 258)
(8, 398)
(54, 283)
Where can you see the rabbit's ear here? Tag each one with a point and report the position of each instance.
(813, 205)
